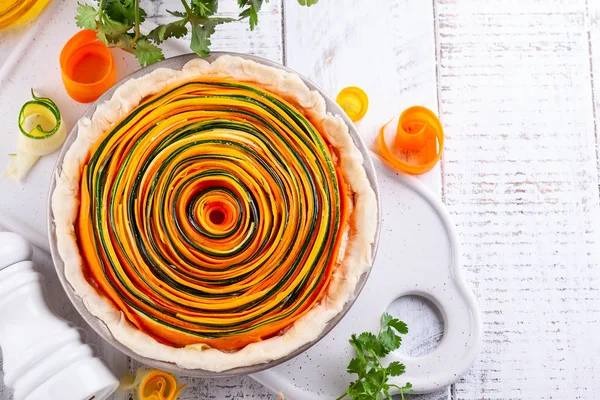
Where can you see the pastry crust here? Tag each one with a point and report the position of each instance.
(355, 259)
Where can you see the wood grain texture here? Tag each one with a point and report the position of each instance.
(265, 41)
(515, 82)
(521, 183)
(593, 24)
(388, 49)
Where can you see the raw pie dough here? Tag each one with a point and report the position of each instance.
(355, 260)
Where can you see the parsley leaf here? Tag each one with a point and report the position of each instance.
(147, 53)
(370, 342)
(395, 369)
(367, 339)
(202, 30)
(117, 22)
(178, 14)
(388, 320)
(357, 366)
(124, 41)
(251, 12)
(307, 3)
(389, 341)
(112, 28)
(101, 37)
(372, 382)
(358, 347)
(205, 8)
(356, 389)
(175, 30)
(164, 32)
(120, 10)
(201, 38)
(85, 16)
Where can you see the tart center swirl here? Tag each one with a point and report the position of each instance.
(213, 213)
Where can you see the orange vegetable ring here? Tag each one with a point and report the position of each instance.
(152, 384)
(87, 67)
(354, 101)
(212, 214)
(420, 133)
(159, 385)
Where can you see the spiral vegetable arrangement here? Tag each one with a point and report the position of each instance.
(213, 213)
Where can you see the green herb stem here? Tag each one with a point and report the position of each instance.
(401, 390)
(188, 10)
(117, 23)
(137, 21)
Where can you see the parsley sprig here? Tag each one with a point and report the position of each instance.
(372, 382)
(118, 22)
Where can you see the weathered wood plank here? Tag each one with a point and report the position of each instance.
(388, 49)
(265, 41)
(593, 24)
(520, 180)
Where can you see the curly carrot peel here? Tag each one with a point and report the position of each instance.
(419, 140)
(152, 385)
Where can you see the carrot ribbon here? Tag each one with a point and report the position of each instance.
(420, 139)
(87, 67)
(152, 384)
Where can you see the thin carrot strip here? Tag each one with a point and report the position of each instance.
(419, 133)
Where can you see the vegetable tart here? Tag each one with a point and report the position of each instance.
(214, 217)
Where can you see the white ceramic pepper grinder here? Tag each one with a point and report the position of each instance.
(44, 358)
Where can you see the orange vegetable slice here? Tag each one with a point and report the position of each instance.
(420, 139)
(87, 66)
(354, 101)
(159, 385)
(152, 384)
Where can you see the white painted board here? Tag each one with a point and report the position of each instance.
(388, 48)
(418, 254)
(522, 187)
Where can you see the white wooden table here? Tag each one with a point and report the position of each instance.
(516, 84)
